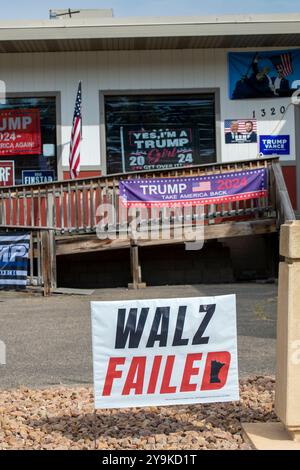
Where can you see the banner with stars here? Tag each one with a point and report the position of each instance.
(196, 190)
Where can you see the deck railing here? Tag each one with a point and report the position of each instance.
(284, 209)
(61, 209)
(70, 207)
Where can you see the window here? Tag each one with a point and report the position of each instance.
(145, 132)
(28, 138)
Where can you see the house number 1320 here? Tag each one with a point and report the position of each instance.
(264, 112)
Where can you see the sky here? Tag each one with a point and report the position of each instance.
(39, 9)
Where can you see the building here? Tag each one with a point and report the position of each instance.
(156, 93)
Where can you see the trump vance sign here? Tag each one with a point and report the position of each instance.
(165, 352)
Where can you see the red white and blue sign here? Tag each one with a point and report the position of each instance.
(197, 190)
(274, 144)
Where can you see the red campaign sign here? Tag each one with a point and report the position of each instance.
(20, 132)
(7, 174)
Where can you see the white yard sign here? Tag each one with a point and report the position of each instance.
(165, 351)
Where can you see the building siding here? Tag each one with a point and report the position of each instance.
(168, 70)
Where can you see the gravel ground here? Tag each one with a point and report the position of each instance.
(62, 419)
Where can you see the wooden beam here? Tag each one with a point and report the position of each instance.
(90, 243)
(240, 229)
(87, 243)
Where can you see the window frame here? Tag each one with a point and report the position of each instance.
(174, 91)
(57, 96)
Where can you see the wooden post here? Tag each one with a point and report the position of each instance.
(287, 402)
(135, 268)
(53, 259)
(46, 263)
(285, 435)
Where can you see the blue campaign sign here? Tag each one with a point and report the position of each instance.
(14, 249)
(37, 176)
(263, 74)
(274, 144)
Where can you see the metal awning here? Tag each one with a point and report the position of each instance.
(151, 33)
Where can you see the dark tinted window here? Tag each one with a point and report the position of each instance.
(161, 131)
(44, 109)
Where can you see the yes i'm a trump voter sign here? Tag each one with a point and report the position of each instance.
(165, 352)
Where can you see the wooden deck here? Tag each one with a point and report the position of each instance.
(63, 217)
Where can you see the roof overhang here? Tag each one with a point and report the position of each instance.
(151, 33)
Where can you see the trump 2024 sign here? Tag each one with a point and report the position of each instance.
(165, 352)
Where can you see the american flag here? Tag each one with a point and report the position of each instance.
(74, 157)
(283, 63)
(241, 123)
(201, 186)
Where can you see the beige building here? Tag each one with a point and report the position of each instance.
(138, 67)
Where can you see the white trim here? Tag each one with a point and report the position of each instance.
(13, 282)
(16, 239)
(18, 273)
(144, 27)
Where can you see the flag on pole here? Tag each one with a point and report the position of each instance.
(283, 63)
(74, 157)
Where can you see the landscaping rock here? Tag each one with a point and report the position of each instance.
(63, 418)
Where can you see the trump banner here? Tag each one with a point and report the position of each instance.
(20, 132)
(271, 74)
(196, 190)
(14, 249)
(148, 149)
(165, 352)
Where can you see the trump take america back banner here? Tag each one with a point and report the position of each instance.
(197, 190)
(14, 248)
(271, 74)
(165, 351)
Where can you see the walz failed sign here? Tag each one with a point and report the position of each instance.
(165, 352)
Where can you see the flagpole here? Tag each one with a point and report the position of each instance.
(76, 136)
(122, 148)
(81, 127)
